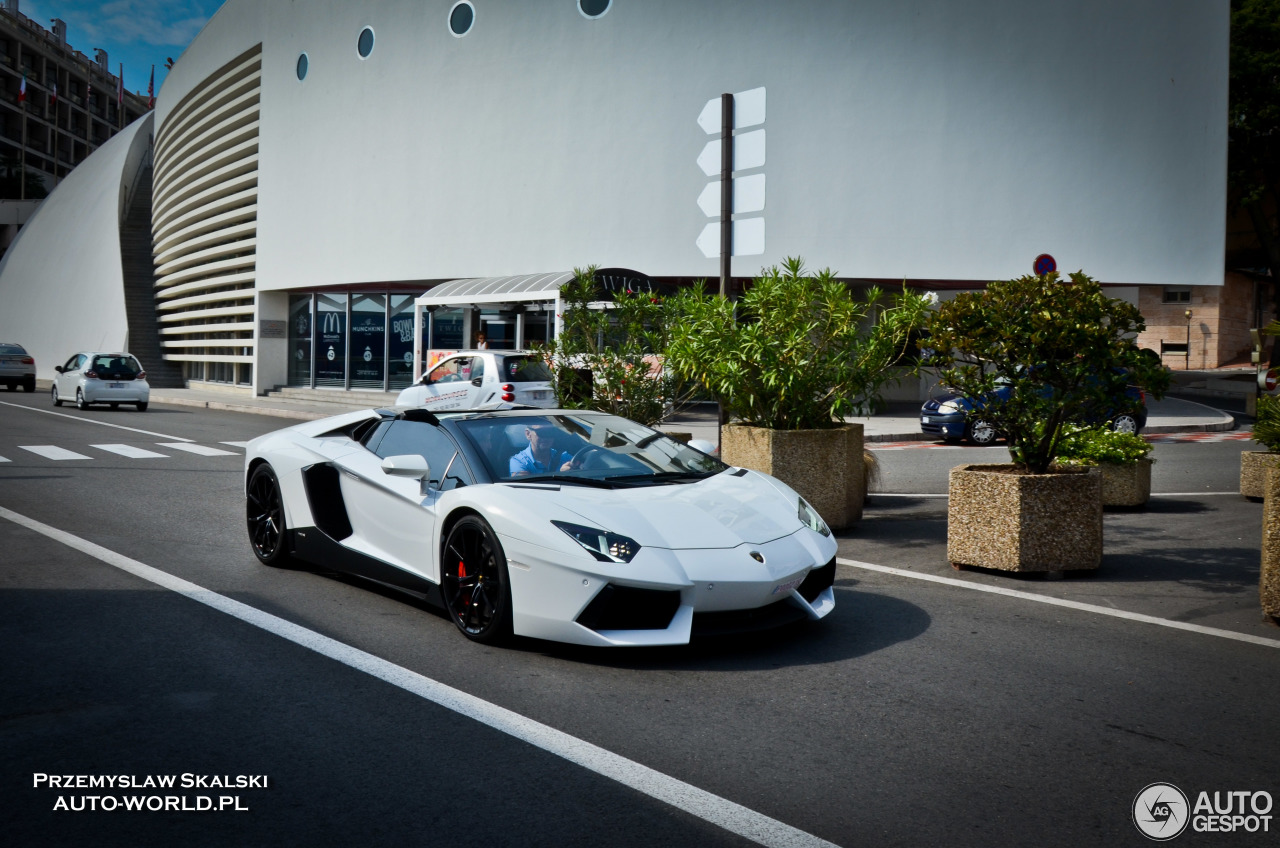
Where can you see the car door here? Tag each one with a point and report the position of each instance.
(447, 385)
(483, 382)
(70, 376)
(393, 518)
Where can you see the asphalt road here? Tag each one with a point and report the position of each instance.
(919, 712)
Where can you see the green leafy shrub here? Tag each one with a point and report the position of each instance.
(1266, 423)
(1095, 445)
(1064, 348)
(608, 356)
(798, 351)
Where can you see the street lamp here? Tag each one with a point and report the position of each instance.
(1187, 367)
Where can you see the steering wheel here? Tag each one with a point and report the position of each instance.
(583, 456)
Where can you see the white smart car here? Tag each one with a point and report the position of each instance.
(471, 379)
(93, 377)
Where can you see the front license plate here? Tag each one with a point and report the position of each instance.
(924, 419)
(785, 588)
(117, 385)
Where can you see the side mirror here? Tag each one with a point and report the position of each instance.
(59, 369)
(409, 465)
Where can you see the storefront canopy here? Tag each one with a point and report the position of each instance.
(529, 287)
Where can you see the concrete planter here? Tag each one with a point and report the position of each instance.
(1253, 469)
(824, 466)
(1127, 485)
(1269, 579)
(1025, 522)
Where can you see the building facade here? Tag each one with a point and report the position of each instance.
(70, 107)
(318, 164)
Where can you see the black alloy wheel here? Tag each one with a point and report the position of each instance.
(264, 515)
(474, 583)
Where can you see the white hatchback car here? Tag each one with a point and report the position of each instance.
(96, 377)
(470, 379)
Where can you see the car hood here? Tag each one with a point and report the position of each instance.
(723, 511)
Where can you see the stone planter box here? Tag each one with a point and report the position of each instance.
(1253, 469)
(824, 466)
(1269, 579)
(1126, 485)
(1024, 522)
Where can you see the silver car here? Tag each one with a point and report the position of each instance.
(96, 377)
(470, 379)
(17, 367)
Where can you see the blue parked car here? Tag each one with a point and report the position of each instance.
(947, 416)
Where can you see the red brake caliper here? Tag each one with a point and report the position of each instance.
(462, 574)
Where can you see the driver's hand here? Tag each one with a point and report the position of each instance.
(568, 466)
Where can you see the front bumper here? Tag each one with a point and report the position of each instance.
(951, 426)
(663, 596)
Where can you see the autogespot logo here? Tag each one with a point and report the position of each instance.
(1160, 811)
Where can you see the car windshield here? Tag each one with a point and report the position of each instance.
(115, 365)
(585, 448)
(525, 369)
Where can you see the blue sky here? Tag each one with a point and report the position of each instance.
(139, 33)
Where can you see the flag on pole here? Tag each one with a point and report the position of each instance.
(53, 95)
(151, 89)
(22, 90)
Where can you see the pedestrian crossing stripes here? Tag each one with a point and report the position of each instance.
(52, 452)
(131, 451)
(192, 447)
(61, 454)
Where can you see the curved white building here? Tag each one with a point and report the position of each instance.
(319, 163)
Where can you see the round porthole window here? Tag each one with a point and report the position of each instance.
(365, 44)
(594, 8)
(461, 18)
(302, 66)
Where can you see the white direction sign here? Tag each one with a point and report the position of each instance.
(748, 196)
(748, 238)
(748, 110)
(748, 153)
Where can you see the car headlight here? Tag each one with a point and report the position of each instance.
(601, 544)
(949, 407)
(809, 518)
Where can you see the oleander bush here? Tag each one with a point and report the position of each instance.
(1266, 424)
(797, 351)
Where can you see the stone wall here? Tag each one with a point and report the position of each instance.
(1221, 317)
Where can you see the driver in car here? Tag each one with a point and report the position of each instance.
(541, 456)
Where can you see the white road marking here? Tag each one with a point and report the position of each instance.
(240, 445)
(131, 451)
(202, 450)
(1061, 602)
(93, 421)
(3, 459)
(52, 452)
(944, 495)
(721, 812)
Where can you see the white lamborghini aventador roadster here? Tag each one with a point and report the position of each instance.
(557, 524)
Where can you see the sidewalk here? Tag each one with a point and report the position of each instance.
(899, 423)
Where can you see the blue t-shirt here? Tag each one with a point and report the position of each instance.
(524, 463)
